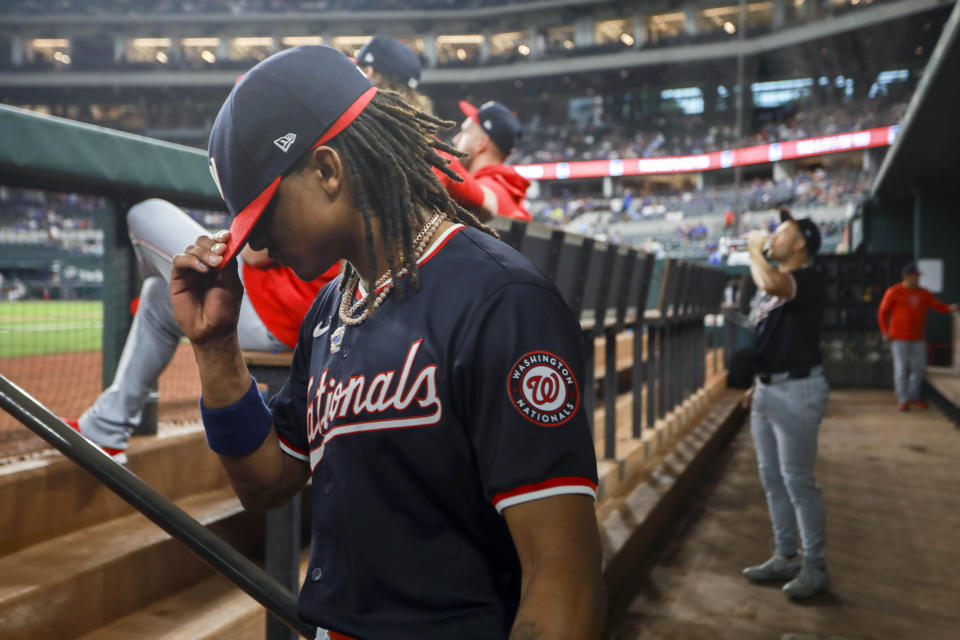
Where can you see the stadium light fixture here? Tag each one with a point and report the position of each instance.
(162, 57)
(299, 41)
(729, 27)
(208, 56)
(568, 44)
(253, 41)
(626, 39)
(61, 58)
(523, 50)
(200, 42)
(51, 43)
(465, 38)
(151, 42)
(461, 54)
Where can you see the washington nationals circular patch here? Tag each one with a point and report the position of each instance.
(543, 388)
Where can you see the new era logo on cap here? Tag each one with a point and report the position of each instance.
(284, 142)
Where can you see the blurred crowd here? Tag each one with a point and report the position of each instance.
(815, 188)
(699, 224)
(679, 134)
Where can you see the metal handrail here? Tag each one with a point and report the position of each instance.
(221, 556)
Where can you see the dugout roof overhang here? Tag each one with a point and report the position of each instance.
(47, 152)
(926, 153)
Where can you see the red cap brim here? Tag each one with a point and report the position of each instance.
(469, 110)
(244, 221)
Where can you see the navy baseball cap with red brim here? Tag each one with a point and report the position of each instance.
(497, 121)
(293, 101)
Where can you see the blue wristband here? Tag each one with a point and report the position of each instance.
(240, 429)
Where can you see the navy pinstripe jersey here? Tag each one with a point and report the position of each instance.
(441, 410)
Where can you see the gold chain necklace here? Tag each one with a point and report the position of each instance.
(347, 312)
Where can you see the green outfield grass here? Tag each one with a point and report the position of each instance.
(38, 327)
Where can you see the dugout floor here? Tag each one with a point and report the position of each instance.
(891, 483)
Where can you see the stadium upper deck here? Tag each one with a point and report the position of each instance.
(489, 38)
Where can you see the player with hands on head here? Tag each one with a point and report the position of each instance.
(435, 392)
(789, 399)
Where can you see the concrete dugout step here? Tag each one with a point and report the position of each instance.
(213, 609)
(50, 496)
(80, 581)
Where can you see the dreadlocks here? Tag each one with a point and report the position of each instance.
(389, 151)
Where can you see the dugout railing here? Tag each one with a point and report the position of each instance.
(612, 288)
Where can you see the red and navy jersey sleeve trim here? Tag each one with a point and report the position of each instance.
(290, 450)
(545, 489)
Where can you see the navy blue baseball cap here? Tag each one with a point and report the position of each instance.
(808, 228)
(910, 269)
(393, 59)
(293, 101)
(497, 121)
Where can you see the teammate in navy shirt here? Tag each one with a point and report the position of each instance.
(435, 392)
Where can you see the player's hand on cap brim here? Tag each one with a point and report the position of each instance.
(205, 293)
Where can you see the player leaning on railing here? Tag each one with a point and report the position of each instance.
(453, 468)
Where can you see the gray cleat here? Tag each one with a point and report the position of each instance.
(777, 568)
(811, 581)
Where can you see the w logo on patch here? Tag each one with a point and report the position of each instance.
(284, 142)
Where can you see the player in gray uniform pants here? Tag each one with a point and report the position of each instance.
(789, 400)
(158, 231)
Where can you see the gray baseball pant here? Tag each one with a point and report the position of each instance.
(785, 421)
(909, 367)
(158, 231)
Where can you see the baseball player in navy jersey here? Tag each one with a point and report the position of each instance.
(435, 392)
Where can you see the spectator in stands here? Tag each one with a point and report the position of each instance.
(487, 136)
(902, 318)
(392, 65)
(274, 303)
(789, 399)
